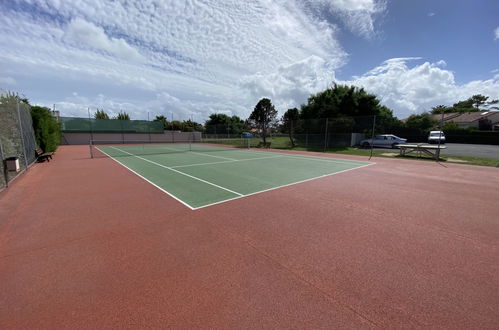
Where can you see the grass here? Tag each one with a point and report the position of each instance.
(282, 142)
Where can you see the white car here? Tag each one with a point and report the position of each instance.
(384, 140)
(435, 136)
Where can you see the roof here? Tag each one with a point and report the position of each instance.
(466, 117)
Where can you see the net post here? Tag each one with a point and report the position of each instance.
(90, 147)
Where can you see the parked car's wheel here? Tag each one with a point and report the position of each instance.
(394, 145)
(366, 145)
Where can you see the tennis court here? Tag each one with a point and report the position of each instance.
(200, 175)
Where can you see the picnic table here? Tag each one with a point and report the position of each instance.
(420, 148)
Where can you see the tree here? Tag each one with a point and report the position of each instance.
(46, 127)
(223, 124)
(342, 101)
(478, 100)
(264, 116)
(290, 121)
(101, 114)
(423, 122)
(162, 119)
(439, 109)
(191, 126)
(122, 116)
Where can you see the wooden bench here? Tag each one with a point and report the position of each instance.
(431, 150)
(42, 156)
(264, 144)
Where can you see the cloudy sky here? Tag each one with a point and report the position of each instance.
(191, 58)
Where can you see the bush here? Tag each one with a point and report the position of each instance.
(472, 136)
(47, 129)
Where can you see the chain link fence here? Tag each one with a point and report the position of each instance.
(312, 134)
(17, 137)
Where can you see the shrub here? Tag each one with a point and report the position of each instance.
(47, 129)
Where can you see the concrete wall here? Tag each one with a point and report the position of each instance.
(356, 138)
(167, 136)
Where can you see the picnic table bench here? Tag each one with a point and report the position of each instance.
(431, 150)
(43, 156)
(264, 145)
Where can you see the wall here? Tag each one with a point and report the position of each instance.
(167, 136)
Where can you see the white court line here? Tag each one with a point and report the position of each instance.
(239, 195)
(166, 192)
(227, 161)
(198, 153)
(285, 185)
(316, 158)
(174, 170)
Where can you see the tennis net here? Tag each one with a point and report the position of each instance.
(127, 148)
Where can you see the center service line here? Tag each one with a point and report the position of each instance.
(174, 170)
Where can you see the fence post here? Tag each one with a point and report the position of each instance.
(325, 136)
(148, 127)
(4, 166)
(22, 134)
(90, 124)
(372, 136)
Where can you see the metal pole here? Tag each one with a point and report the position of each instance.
(22, 134)
(90, 146)
(90, 125)
(4, 166)
(325, 136)
(173, 135)
(440, 136)
(372, 137)
(148, 127)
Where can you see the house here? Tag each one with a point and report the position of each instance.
(486, 120)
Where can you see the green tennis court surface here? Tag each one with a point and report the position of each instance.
(207, 175)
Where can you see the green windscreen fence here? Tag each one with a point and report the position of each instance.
(90, 125)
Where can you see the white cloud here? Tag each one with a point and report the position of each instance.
(197, 52)
(198, 57)
(83, 32)
(496, 33)
(430, 14)
(358, 15)
(291, 84)
(415, 89)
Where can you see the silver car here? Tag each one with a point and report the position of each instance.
(383, 140)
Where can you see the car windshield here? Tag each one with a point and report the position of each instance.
(436, 134)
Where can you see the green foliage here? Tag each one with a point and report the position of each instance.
(472, 104)
(439, 109)
(223, 124)
(264, 116)
(162, 119)
(184, 126)
(343, 101)
(191, 126)
(478, 100)
(290, 120)
(101, 114)
(122, 116)
(47, 129)
(175, 125)
(452, 126)
(340, 100)
(423, 122)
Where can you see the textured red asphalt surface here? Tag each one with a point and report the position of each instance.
(84, 243)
